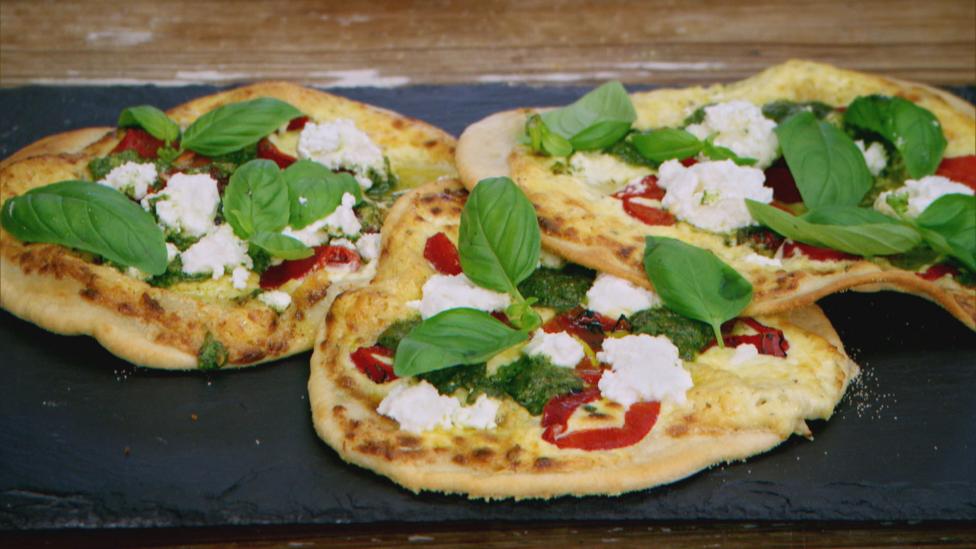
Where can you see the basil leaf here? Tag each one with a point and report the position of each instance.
(914, 131)
(453, 337)
(859, 233)
(718, 152)
(782, 109)
(280, 245)
(237, 125)
(152, 120)
(585, 118)
(315, 191)
(256, 199)
(544, 141)
(693, 282)
(88, 217)
(949, 226)
(828, 167)
(666, 144)
(499, 240)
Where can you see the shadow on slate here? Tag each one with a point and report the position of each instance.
(87, 440)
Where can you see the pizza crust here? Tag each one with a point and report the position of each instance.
(65, 292)
(596, 232)
(513, 461)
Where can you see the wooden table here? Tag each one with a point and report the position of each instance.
(389, 43)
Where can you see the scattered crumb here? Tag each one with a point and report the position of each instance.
(126, 451)
(257, 442)
(193, 417)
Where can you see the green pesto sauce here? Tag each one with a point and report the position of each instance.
(99, 167)
(560, 289)
(212, 354)
(370, 216)
(260, 258)
(174, 274)
(689, 336)
(783, 109)
(625, 151)
(533, 381)
(472, 378)
(391, 337)
(383, 181)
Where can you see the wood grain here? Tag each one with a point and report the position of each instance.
(391, 43)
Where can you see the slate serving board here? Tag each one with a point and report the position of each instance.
(87, 440)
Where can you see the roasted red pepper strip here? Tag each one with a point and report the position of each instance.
(647, 188)
(813, 252)
(442, 254)
(936, 272)
(648, 214)
(268, 151)
(768, 340)
(139, 140)
(780, 179)
(297, 268)
(367, 361)
(587, 325)
(960, 168)
(297, 123)
(638, 421)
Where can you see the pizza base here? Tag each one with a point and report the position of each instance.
(513, 461)
(598, 233)
(65, 292)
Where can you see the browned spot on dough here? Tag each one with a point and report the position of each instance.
(375, 448)
(512, 455)
(549, 225)
(623, 252)
(678, 430)
(398, 123)
(543, 463)
(436, 210)
(459, 459)
(483, 454)
(430, 143)
(125, 308)
(408, 441)
(346, 382)
(251, 355)
(153, 308)
(316, 295)
(89, 293)
(339, 409)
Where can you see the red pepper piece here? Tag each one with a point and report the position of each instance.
(502, 317)
(813, 252)
(779, 177)
(268, 151)
(648, 214)
(297, 123)
(590, 373)
(960, 168)
(368, 362)
(297, 268)
(587, 325)
(139, 140)
(647, 188)
(768, 340)
(689, 162)
(442, 254)
(638, 421)
(936, 272)
(556, 413)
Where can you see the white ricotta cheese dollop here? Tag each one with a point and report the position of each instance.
(443, 292)
(603, 170)
(188, 204)
(740, 126)
(480, 415)
(875, 156)
(744, 353)
(645, 368)
(276, 299)
(131, 178)
(920, 194)
(239, 277)
(560, 348)
(368, 246)
(711, 195)
(764, 261)
(216, 252)
(418, 408)
(611, 296)
(340, 144)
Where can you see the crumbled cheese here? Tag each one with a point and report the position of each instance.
(216, 252)
(645, 368)
(418, 408)
(875, 156)
(711, 195)
(604, 171)
(369, 245)
(277, 300)
(611, 296)
(443, 292)
(131, 178)
(763, 261)
(171, 252)
(560, 348)
(340, 144)
(550, 260)
(188, 204)
(344, 243)
(239, 277)
(480, 415)
(920, 194)
(137, 273)
(343, 220)
(740, 126)
(743, 353)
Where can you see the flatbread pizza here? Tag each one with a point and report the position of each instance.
(472, 364)
(807, 179)
(212, 236)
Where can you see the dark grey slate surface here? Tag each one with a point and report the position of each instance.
(87, 440)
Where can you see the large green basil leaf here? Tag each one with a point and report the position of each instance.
(693, 282)
(840, 228)
(315, 191)
(256, 199)
(666, 144)
(914, 131)
(152, 120)
(828, 167)
(279, 245)
(499, 241)
(596, 120)
(88, 217)
(453, 337)
(237, 125)
(949, 226)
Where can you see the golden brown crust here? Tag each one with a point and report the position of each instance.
(67, 293)
(594, 230)
(512, 460)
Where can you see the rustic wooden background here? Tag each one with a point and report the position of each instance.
(392, 43)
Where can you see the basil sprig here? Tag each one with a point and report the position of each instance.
(675, 144)
(695, 283)
(543, 140)
(948, 225)
(256, 199)
(88, 217)
(858, 231)
(594, 122)
(232, 127)
(453, 337)
(828, 167)
(315, 191)
(912, 130)
(152, 120)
